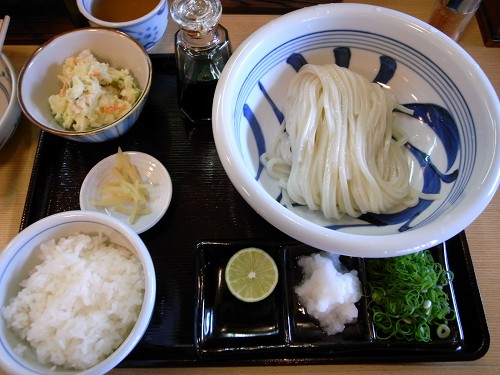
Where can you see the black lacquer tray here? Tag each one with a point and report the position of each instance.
(206, 221)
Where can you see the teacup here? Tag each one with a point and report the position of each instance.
(147, 29)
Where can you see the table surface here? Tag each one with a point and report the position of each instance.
(16, 163)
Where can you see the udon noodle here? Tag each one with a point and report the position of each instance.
(336, 151)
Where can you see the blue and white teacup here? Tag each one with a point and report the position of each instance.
(147, 29)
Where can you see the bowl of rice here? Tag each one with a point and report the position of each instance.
(77, 291)
(358, 130)
(94, 85)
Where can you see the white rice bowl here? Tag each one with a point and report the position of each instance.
(90, 302)
(79, 304)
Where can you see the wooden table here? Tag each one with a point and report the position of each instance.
(16, 162)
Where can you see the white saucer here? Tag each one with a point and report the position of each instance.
(151, 172)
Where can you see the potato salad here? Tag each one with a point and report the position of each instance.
(93, 94)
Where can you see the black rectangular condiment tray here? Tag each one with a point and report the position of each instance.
(194, 324)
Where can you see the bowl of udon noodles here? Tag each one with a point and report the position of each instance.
(358, 130)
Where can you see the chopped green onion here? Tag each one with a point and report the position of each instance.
(443, 331)
(407, 297)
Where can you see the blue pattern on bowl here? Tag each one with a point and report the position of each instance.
(152, 34)
(147, 30)
(446, 115)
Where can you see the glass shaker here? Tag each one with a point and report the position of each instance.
(453, 16)
(202, 48)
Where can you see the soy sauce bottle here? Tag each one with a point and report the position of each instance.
(202, 48)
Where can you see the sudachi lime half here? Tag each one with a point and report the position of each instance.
(251, 274)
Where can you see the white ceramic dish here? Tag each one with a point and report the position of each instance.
(10, 111)
(114, 47)
(151, 171)
(457, 156)
(19, 257)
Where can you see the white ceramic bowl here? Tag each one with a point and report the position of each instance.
(462, 159)
(10, 111)
(151, 172)
(147, 29)
(18, 258)
(38, 78)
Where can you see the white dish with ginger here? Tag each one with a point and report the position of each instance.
(153, 181)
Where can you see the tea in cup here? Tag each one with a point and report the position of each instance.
(144, 20)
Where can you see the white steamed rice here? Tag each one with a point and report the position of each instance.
(329, 291)
(79, 304)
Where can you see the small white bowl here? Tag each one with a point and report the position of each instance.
(151, 171)
(10, 111)
(38, 78)
(457, 157)
(147, 29)
(19, 257)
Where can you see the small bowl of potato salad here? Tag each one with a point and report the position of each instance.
(94, 85)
